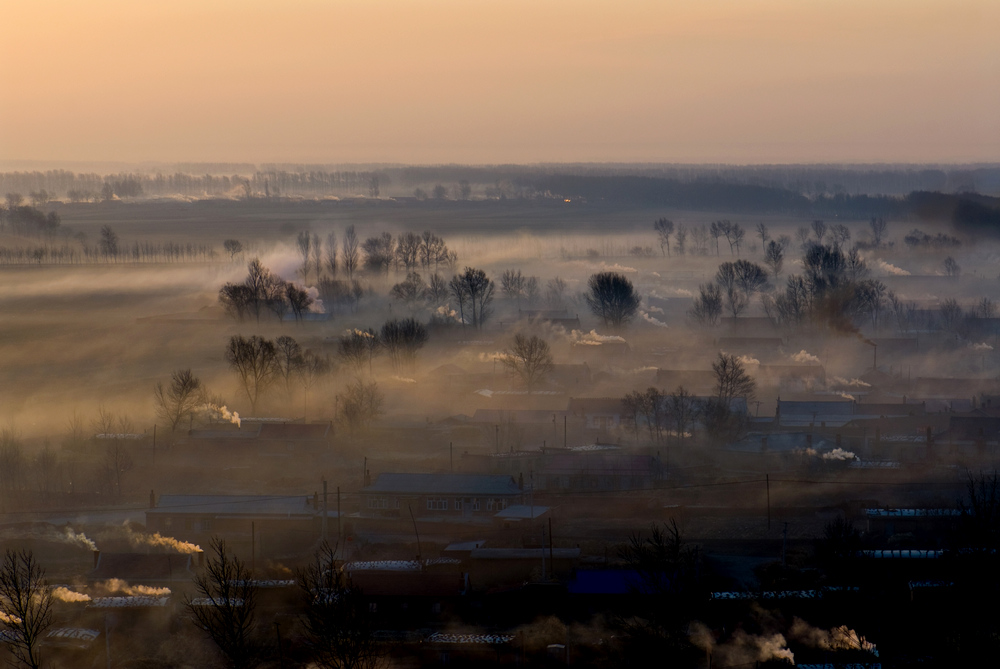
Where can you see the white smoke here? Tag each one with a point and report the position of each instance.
(671, 292)
(64, 594)
(444, 313)
(839, 454)
(156, 540)
(983, 347)
(748, 360)
(848, 396)
(653, 321)
(890, 269)
(742, 648)
(592, 338)
(403, 379)
(316, 306)
(604, 267)
(654, 310)
(118, 585)
(78, 539)
(838, 638)
(849, 383)
(221, 414)
(804, 357)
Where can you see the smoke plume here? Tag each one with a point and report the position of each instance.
(156, 540)
(64, 594)
(848, 383)
(838, 454)
(804, 357)
(118, 585)
(742, 648)
(652, 321)
(221, 414)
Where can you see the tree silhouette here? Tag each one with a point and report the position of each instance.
(25, 606)
(612, 298)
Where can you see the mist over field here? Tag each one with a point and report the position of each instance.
(435, 334)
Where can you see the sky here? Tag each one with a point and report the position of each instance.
(484, 81)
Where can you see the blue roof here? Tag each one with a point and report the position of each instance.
(443, 484)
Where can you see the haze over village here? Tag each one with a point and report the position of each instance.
(442, 334)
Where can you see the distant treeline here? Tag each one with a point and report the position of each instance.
(137, 252)
(42, 186)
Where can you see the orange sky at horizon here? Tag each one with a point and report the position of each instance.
(434, 81)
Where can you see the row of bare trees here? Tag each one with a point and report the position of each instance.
(263, 291)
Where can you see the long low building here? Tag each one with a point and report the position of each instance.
(443, 495)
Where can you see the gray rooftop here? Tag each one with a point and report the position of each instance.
(444, 484)
(235, 505)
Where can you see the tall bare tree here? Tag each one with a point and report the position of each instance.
(612, 298)
(304, 243)
(227, 607)
(254, 360)
(179, 399)
(25, 606)
(530, 358)
(351, 254)
(340, 631)
(664, 228)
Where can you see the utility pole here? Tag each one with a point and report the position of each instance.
(784, 545)
(339, 538)
(767, 482)
(323, 526)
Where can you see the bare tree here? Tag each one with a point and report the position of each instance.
(289, 359)
(612, 298)
(410, 290)
(233, 247)
(878, 227)
(681, 411)
(555, 289)
(331, 254)
(531, 290)
(707, 306)
(402, 339)
(379, 252)
(729, 281)
(254, 360)
(664, 228)
(25, 606)
(117, 464)
(317, 251)
(408, 245)
(763, 234)
(731, 379)
(351, 254)
(360, 405)
(432, 250)
(841, 234)
(184, 394)
(313, 368)
(358, 347)
(339, 629)
(774, 257)
(819, 229)
(437, 289)
(298, 300)
(473, 289)
(227, 607)
(951, 268)
(681, 237)
(304, 242)
(512, 284)
(528, 357)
